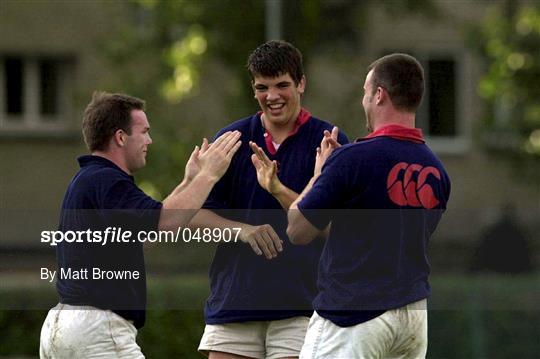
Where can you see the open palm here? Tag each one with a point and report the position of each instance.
(266, 169)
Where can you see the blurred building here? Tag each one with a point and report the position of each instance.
(50, 62)
(51, 59)
(450, 116)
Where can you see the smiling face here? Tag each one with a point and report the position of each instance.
(279, 98)
(136, 144)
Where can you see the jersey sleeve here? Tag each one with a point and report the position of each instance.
(127, 203)
(328, 192)
(218, 197)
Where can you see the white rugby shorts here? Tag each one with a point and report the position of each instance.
(257, 339)
(87, 332)
(397, 333)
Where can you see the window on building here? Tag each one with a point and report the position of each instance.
(441, 87)
(441, 115)
(48, 87)
(13, 73)
(437, 114)
(34, 92)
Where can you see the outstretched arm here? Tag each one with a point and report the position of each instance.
(268, 179)
(205, 167)
(300, 230)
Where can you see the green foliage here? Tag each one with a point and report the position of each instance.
(165, 50)
(160, 55)
(509, 41)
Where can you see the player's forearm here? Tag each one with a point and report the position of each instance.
(285, 196)
(206, 218)
(180, 187)
(299, 230)
(308, 187)
(184, 202)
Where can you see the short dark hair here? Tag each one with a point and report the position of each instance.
(104, 115)
(402, 76)
(275, 58)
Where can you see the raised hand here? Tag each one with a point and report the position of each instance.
(214, 159)
(266, 169)
(328, 144)
(193, 167)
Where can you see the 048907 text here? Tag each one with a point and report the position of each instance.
(188, 235)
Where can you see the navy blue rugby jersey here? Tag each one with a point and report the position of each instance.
(245, 286)
(101, 195)
(384, 195)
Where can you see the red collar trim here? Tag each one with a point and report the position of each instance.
(303, 117)
(399, 132)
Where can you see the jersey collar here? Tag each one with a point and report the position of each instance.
(302, 118)
(95, 160)
(398, 132)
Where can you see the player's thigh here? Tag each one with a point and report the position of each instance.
(284, 338)
(46, 335)
(87, 332)
(124, 335)
(75, 332)
(246, 339)
(324, 340)
(412, 339)
(371, 339)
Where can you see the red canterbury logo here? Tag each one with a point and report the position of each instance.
(407, 192)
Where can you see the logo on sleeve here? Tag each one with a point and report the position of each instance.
(405, 190)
